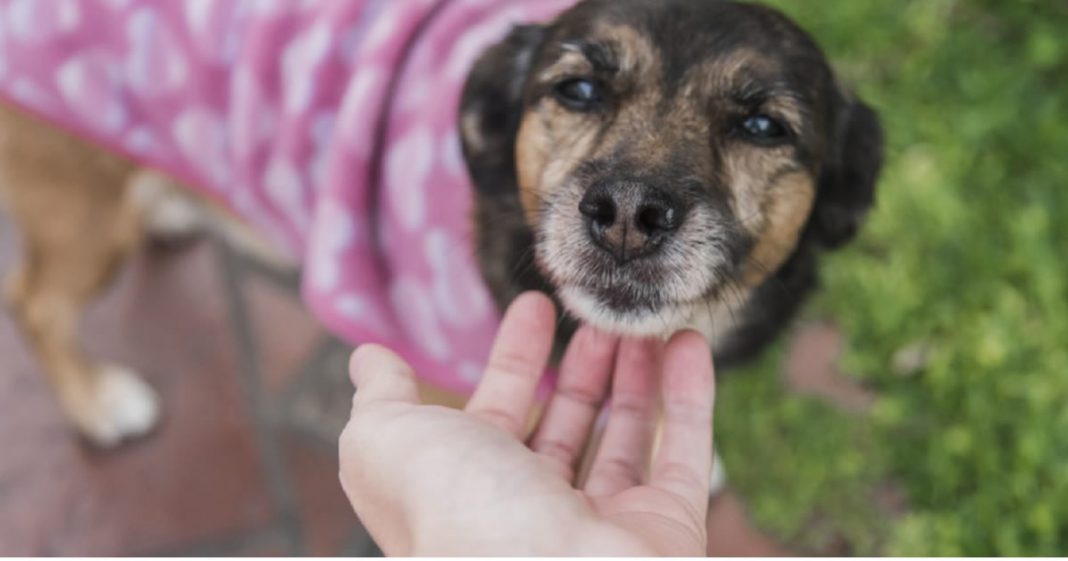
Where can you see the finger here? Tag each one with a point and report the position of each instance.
(620, 463)
(683, 463)
(380, 375)
(505, 395)
(584, 374)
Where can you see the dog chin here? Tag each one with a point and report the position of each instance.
(662, 322)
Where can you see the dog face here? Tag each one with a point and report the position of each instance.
(667, 156)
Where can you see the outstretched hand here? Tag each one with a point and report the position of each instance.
(429, 480)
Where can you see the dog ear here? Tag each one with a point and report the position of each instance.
(492, 105)
(847, 183)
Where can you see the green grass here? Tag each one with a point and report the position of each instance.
(966, 253)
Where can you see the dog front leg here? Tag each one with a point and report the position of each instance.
(106, 403)
(64, 267)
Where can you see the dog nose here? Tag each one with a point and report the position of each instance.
(629, 219)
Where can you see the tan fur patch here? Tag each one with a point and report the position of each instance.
(748, 172)
(637, 57)
(786, 207)
(571, 63)
(551, 142)
(78, 221)
(788, 109)
(634, 55)
(77, 225)
(731, 72)
(532, 147)
(724, 72)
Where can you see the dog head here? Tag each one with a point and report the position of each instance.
(667, 154)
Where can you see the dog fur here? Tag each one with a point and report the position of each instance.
(758, 214)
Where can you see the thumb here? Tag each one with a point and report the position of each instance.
(380, 375)
(368, 455)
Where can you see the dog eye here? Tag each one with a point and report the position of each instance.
(762, 129)
(578, 94)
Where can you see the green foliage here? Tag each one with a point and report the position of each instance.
(965, 254)
(807, 470)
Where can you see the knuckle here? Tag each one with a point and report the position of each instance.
(688, 413)
(631, 406)
(620, 469)
(559, 449)
(584, 396)
(511, 364)
(501, 418)
(681, 474)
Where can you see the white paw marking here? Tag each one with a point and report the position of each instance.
(168, 214)
(174, 218)
(121, 407)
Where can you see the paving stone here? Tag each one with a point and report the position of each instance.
(196, 478)
(326, 518)
(811, 367)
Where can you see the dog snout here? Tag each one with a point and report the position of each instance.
(629, 219)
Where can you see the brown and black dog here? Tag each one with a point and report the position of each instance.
(654, 165)
(660, 165)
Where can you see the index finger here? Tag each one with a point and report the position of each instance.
(683, 462)
(505, 395)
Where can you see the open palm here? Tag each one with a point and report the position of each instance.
(428, 480)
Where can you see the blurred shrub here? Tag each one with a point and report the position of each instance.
(965, 256)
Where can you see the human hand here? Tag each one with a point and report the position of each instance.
(429, 480)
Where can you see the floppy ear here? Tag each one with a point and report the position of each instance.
(492, 105)
(847, 184)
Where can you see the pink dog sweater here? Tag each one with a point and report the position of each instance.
(330, 125)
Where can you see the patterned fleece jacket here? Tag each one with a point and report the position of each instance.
(328, 125)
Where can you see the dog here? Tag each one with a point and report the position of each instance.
(652, 165)
(701, 176)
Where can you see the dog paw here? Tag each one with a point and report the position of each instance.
(174, 219)
(120, 407)
(170, 216)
